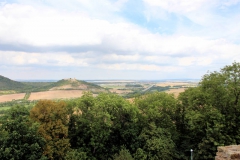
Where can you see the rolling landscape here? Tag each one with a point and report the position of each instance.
(11, 90)
(119, 80)
(72, 119)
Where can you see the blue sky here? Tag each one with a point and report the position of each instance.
(117, 39)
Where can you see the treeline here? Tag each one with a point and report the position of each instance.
(153, 126)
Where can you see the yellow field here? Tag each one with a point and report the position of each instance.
(163, 84)
(10, 97)
(58, 94)
(176, 91)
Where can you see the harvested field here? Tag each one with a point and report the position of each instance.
(82, 86)
(176, 92)
(10, 97)
(118, 91)
(163, 84)
(59, 94)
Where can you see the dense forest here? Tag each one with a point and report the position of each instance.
(153, 126)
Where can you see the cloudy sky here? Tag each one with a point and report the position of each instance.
(117, 39)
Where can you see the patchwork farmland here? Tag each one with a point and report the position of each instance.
(73, 88)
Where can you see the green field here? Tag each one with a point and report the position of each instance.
(4, 108)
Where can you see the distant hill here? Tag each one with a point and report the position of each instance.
(72, 84)
(64, 84)
(8, 84)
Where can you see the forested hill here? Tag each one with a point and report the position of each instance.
(8, 84)
(64, 84)
(74, 83)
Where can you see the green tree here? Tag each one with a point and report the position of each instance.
(124, 118)
(19, 138)
(75, 155)
(157, 143)
(223, 91)
(89, 128)
(123, 155)
(101, 125)
(158, 130)
(53, 119)
(208, 115)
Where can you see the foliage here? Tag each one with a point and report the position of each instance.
(53, 119)
(210, 113)
(123, 155)
(157, 121)
(75, 155)
(19, 138)
(101, 125)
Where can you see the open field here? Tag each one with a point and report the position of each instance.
(10, 97)
(182, 84)
(176, 91)
(58, 94)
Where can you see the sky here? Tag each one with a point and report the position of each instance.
(117, 39)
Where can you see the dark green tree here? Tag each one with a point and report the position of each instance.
(19, 137)
(223, 92)
(101, 125)
(158, 130)
(208, 115)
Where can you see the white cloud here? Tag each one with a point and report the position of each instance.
(138, 67)
(50, 59)
(180, 6)
(187, 6)
(117, 44)
(197, 61)
(49, 27)
(116, 57)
